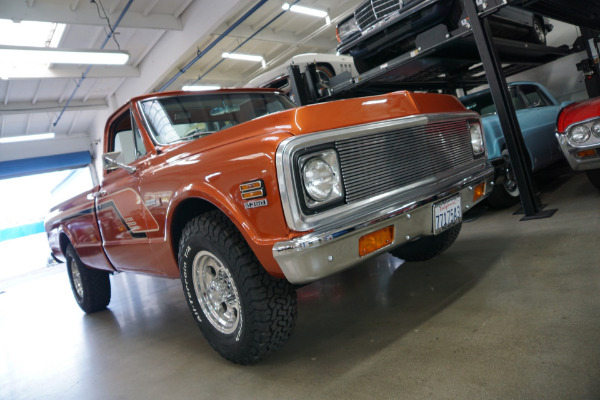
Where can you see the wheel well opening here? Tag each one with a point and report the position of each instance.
(63, 241)
(328, 68)
(187, 210)
(528, 158)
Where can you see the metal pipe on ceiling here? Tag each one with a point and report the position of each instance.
(243, 43)
(84, 75)
(213, 44)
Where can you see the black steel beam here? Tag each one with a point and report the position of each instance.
(591, 66)
(299, 90)
(506, 113)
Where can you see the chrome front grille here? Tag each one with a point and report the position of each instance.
(371, 11)
(382, 162)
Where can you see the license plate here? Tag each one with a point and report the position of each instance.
(446, 213)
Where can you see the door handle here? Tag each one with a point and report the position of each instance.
(97, 194)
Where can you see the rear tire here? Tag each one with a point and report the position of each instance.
(91, 287)
(594, 177)
(243, 312)
(427, 247)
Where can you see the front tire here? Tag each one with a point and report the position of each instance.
(91, 287)
(507, 193)
(594, 177)
(427, 247)
(243, 312)
(538, 32)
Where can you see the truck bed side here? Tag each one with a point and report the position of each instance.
(74, 221)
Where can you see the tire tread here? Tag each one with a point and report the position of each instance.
(270, 310)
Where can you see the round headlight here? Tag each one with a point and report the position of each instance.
(596, 129)
(319, 179)
(579, 134)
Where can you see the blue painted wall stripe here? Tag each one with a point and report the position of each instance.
(22, 230)
(39, 165)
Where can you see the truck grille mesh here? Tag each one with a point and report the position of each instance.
(369, 12)
(379, 163)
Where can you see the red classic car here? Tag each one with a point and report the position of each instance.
(578, 132)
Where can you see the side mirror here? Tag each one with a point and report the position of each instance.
(110, 163)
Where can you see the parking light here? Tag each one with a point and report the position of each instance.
(375, 240)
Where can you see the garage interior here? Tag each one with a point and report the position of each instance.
(509, 311)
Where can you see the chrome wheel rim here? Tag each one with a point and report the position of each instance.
(510, 181)
(216, 292)
(76, 276)
(539, 32)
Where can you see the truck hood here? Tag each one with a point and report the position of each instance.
(325, 116)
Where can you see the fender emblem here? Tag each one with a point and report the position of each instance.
(256, 203)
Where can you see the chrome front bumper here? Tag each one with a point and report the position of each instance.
(319, 254)
(577, 163)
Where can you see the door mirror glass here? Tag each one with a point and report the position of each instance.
(113, 160)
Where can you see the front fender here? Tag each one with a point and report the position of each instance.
(219, 176)
(494, 139)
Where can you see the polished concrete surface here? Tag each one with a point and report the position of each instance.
(510, 311)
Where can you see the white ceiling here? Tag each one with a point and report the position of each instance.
(162, 37)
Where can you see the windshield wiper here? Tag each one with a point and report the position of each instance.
(196, 134)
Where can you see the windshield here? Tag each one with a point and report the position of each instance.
(185, 117)
(484, 104)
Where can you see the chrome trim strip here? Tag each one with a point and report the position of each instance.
(578, 164)
(296, 220)
(587, 121)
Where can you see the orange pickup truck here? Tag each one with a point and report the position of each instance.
(242, 195)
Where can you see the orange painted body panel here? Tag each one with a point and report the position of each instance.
(136, 214)
(76, 219)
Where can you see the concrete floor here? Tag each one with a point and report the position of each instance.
(510, 311)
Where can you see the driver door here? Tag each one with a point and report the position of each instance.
(123, 218)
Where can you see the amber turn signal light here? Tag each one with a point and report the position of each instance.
(478, 191)
(375, 240)
(252, 190)
(586, 153)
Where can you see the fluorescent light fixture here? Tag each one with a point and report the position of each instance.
(199, 88)
(244, 57)
(45, 55)
(304, 10)
(30, 33)
(27, 138)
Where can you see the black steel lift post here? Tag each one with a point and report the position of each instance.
(506, 114)
(465, 58)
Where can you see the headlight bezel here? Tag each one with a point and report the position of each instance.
(309, 202)
(596, 128)
(584, 136)
(347, 29)
(477, 138)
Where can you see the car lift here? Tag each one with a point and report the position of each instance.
(465, 58)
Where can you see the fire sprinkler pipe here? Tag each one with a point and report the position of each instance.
(213, 44)
(244, 42)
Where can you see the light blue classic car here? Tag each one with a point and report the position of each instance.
(536, 112)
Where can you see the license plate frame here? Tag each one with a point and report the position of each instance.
(446, 213)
